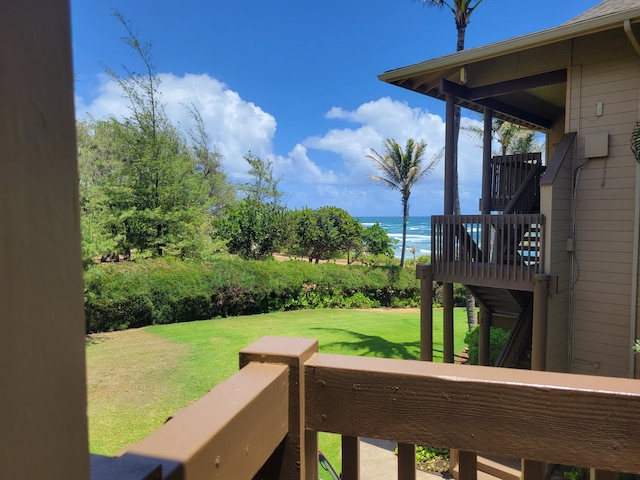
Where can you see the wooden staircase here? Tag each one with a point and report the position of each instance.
(513, 309)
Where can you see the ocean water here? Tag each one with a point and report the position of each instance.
(418, 233)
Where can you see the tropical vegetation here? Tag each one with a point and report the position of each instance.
(401, 170)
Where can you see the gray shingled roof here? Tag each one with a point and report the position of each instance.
(605, 8)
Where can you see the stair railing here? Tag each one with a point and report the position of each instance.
(528, 194)
(508, 173)
(519, 337)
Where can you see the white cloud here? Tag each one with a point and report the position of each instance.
(237, 126)
(387, 118)
(328, 169)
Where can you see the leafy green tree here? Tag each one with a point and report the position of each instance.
(142, 185)
(208, 163)
(252, 229)
(376, 241)
(324, 233)
(401, 170)
(263, 186)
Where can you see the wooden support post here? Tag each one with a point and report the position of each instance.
(425, 274)
(540, 303)
(533, 470)
(485, 205)
(350, 458)
(406, 461)
(595, 474)
(447, 314)
(43, 418)
(467, 466)
(484, 340)
(300, 457)
(449, 155)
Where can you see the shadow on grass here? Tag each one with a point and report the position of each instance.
(374, 345)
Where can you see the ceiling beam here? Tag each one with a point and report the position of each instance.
(462, 92)
(517, 85)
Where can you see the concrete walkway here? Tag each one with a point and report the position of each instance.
(378, 461)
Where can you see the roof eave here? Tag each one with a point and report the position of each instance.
(544, 37)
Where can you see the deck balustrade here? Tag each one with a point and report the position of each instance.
(263, 422)
(489, 250)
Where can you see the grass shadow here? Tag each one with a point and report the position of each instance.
(374, 345)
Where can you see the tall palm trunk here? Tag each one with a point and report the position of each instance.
(405, 219)
(461, 26)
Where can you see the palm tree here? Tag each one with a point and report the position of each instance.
(462, 10)
(401, 170)
(511, 137)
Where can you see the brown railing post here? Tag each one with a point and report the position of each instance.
(406, 461)
(447, 314)
(534, 470)
(484, 340)
(300, 456)
(467, 465)
(486, 162)
(425, 274)
(540, 304)
(350, 458)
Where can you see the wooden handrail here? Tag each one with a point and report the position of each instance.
(241, 428)
(579, 420)
(227, 433)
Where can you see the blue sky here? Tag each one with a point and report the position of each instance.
(296, 82)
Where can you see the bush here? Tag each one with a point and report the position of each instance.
(157, 291)
(498, 337)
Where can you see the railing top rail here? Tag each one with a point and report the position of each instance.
(226, 431)
(559, 418)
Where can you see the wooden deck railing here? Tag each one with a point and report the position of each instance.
(263, 422)
(488, 250)
(508, 174)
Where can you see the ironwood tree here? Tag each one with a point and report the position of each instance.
(143, 186)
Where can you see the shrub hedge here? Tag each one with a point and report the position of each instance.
(134, 294)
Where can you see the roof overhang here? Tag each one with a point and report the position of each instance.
(533, 100)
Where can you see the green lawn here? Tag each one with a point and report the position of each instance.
(138, 378)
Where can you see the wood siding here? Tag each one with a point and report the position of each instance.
(605, 69)
(555, 204)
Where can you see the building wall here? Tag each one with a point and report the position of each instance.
(42, 369)
(556, 206)
(605, 69)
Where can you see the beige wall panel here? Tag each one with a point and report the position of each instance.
(599, 287)
(606, 246)
(601, 224)
(622, 270)
(603, 277)
(594, 343)
(590, 308)
(605, 328)
(606, 236)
